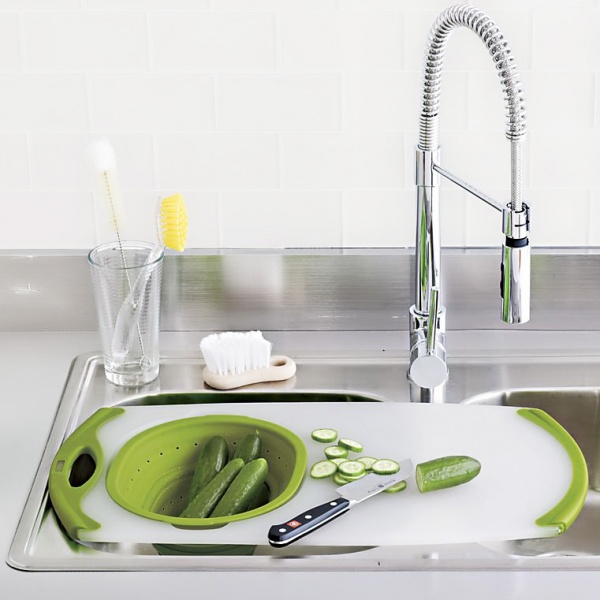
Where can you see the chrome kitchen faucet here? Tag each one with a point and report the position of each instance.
(428, 368)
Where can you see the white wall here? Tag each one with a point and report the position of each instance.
(288, 122)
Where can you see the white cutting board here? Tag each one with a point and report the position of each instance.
(525, 472)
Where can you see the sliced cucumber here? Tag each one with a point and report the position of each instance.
(336, 452)
(344, 479)
(350, 445)
(323, 469)
(325, 436)
(367, 461)
(338, 461)
(397, 487)
(352, 468)
(385, 466)
(339, 479)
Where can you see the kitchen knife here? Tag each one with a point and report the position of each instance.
(349, 495)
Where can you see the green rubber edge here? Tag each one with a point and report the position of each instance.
(566, 511)
(65, 498)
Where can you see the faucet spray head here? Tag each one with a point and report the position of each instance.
(516, 265)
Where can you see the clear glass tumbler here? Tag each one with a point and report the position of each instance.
(127, 281)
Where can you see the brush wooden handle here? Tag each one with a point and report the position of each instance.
(279, 369)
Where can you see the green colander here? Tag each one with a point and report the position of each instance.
(151, 474)
(104, 471)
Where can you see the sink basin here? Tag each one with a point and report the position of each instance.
(578, 411)
(40, 543)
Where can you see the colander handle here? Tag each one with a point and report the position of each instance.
(76, 469)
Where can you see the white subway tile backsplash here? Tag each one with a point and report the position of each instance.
(62, 161)
(346, 41)
(572, 228)
(278, 101)
(45, 5)
(278, 5)
(290, 123)
(375, 101)
(218, 161)
(43, 102)
(453, 217)
(484, 223)
(565, 159)
(10, 42)
(213, 41)
(566, 40)
(594, 228)
(153, 102)
(203, 217)
(379, 219)
(559, 101)
(281, 219)
(81, 41)
(14, 162)
(147, 4)
(342, 161)
(54, 220)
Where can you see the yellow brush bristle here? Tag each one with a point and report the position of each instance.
(173, 222)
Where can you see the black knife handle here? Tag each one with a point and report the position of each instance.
(304, 523)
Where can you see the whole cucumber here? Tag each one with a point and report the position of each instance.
(239, 494)
(212, 458)
(249, 447)
(445, 472)
(260, 498)
(210, 495)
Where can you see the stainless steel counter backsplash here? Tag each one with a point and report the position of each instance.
(304, 290)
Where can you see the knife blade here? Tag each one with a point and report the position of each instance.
(350, 495)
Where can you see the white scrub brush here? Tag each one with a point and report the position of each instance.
(235, 359)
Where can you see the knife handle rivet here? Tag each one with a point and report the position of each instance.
(282, 530)
(333, 504)
(308, 516)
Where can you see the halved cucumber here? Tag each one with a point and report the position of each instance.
(385, 466)
(325, 436)
(336, 452)
(352, 468)
(445, 472)
(323, 469)
(350, 445)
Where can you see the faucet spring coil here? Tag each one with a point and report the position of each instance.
(492, 37)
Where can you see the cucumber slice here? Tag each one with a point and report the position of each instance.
(350, 445)
(397, 487)
(352, 468)
(367, 461)
(385, 466)
(338, 461)
(349, 478)
(325, 436)
(336, 452)
(323, 469)
(339, 479)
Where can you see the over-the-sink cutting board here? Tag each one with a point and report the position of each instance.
(526, 471)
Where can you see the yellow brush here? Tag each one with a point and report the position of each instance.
(172, 222)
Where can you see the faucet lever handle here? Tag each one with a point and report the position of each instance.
(432, 319)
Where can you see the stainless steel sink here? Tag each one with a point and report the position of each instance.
(578, 411)
(40, 544)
